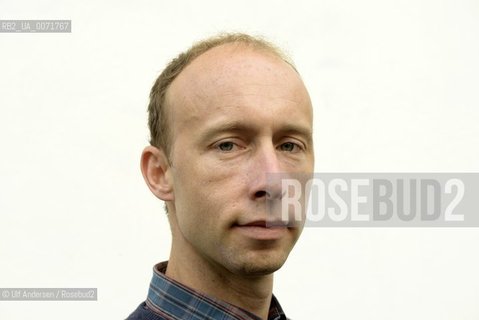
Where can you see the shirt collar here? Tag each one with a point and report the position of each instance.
(173, 300)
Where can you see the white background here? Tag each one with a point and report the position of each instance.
(394, 86)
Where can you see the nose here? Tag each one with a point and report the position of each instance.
(265, 175)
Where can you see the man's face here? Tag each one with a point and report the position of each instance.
(236, 115)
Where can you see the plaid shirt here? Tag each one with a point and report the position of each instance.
(170, 300)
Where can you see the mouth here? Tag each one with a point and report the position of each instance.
(262, 229)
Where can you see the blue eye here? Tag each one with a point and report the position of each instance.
(226, 146)
(288, 146)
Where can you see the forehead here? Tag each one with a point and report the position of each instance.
(226, 67)
(233, 75)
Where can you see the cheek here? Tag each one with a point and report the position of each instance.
(209, 200)
(195, 190)
(203, 183)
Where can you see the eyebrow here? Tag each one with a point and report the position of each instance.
(305, 132)
(229, 126)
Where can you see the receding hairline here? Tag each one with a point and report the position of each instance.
(237, 40)
(236, 47)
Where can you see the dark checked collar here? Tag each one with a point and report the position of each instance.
(172, 300)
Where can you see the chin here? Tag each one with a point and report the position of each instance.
(259, 270)
(260, 264)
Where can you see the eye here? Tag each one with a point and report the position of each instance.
(289, 147)
(226, 146)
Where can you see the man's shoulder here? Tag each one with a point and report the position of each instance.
(144, 313)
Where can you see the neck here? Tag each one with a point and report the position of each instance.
(252, 293)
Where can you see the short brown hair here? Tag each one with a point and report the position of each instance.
(157, 116)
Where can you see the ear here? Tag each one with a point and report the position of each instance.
(156, 171)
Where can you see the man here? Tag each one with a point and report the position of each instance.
(222, 116)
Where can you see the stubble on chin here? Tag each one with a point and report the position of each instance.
(254, 263)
